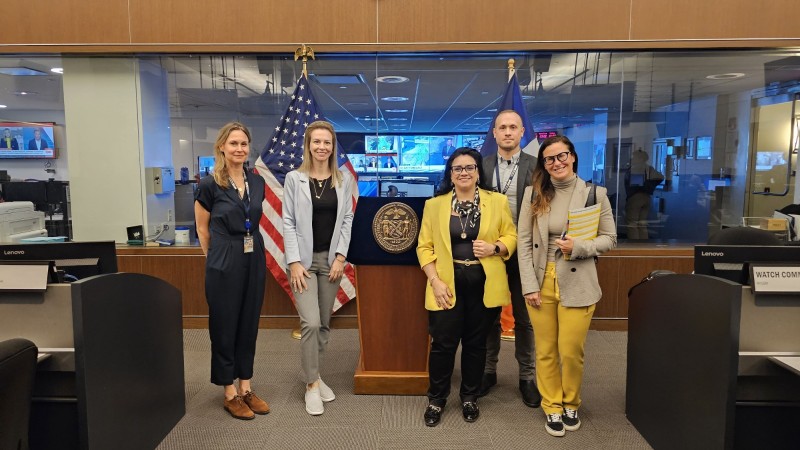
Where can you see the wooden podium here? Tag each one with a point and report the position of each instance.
(392, 319)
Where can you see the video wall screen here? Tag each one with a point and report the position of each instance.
(26, 140)
(417, 153)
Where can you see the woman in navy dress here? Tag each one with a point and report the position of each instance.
(227, 211)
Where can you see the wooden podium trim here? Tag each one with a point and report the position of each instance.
(371, 382)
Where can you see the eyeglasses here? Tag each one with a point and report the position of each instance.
(561, 157)
(469, 169)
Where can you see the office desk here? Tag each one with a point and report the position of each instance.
(701, 346)
(114, 333)
(184, 268)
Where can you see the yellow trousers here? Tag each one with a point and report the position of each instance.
(559, 335)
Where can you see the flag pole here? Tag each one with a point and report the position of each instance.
(303, 52)
(507, 332)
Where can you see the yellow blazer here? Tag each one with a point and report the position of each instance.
(434, 245)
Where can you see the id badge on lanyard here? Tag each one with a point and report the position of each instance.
(248, 238)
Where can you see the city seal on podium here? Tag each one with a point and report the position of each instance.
(395, 227)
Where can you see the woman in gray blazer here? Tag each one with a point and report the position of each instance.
(317, 218)
(559, 278)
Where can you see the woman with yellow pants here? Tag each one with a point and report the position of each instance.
(559, 278)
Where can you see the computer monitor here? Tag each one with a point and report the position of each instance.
(205, 165)
(732, 262)
(76, 259)
(26, 191)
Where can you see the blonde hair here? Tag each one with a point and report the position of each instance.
(220, 168)
(305, 166)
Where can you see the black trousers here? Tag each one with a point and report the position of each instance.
(468, 322)
(234, 292)
(523, 330)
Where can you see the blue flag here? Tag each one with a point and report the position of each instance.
(512, 99)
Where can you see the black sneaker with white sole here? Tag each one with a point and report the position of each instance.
(554, 425)
(571, 420)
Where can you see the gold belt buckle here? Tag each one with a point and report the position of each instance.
(466, 263)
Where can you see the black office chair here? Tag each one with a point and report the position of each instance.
(744, 236)
(17, 372)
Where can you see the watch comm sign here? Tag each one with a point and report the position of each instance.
(775, 279)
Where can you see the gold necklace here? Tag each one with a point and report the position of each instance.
(463, 226)
(323, 184)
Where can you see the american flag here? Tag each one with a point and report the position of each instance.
(282, 154)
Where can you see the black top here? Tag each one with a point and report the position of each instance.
(323, 218)
(462, 247)
(228, 210)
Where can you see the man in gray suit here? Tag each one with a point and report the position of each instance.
(510, 172)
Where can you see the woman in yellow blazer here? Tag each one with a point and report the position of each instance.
(467, 232)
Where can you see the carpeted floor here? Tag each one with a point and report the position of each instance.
(378, 422)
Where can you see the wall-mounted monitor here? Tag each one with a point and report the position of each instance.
(205, 165)
(472, 141)
(22, 140)
(379, 144)
(703, 147)
(405, 153)
(766, 161)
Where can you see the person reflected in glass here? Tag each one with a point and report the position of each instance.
(466, 235)
(641, 180)
(227, 211)
(559, 278)
(317, 220)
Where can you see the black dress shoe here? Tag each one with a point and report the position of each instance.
(488, 380)
(433, 415)
(530, 393)
(470, 411)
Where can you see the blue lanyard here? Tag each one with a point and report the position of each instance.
(245, 202)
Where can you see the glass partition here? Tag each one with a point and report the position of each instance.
(685, 142)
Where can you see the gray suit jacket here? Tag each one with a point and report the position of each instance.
(524, 174)
(577, 277)
(298, 238)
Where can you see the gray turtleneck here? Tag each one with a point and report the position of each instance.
(559, 207)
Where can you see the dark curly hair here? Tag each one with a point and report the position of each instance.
(446, 186)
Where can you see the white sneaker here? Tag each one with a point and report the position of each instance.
(325, 392)
(314, 404)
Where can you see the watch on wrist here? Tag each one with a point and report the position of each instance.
(496, 249)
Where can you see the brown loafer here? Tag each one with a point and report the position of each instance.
(238, 408)
(256, 405)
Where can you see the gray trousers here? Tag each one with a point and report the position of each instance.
(523, 330)
(314, 306)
